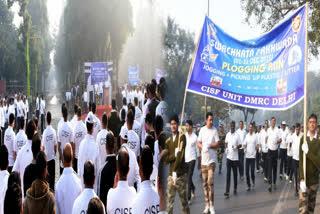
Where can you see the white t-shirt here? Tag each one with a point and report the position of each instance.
(88, 150)
(262, 140)
(147, 200)
(49, 140)
(80, 205)
(79, 132)
(289, 141)
(120, 199)
(251, 142)
(284, 134)
(162, 110)
(134, 142)
(133, 175)
(20, 109)
(37, 104)
(191, 147)
(206, 137)
(232, 140)
(138, 113)
(296, 145)
(273, 137)
(24, 158)
(68, 188)
(96, 126)
(65, 135)
(73, 121)
(42, 106)
(20, 141)
(101, 142)
(9, 140)
(242, 134)
(4, 175)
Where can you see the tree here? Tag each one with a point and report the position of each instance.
(268, 13)
(9, 52)
(246, 111)
(87, 36)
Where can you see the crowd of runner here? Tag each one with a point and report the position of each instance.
(107, 166)
(259, 149)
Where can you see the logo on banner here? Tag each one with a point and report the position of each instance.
(296, 23)
(207, 55)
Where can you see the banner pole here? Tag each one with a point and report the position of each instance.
(305, 90)
(188, 78)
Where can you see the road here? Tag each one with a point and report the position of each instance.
(259, 200)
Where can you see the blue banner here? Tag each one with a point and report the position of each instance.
(99, 72)
(133, 75)
(264, 73)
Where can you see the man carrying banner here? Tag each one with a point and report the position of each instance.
(177, 179)
(309, 185)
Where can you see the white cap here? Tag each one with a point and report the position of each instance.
(89, 118)
(283, 123)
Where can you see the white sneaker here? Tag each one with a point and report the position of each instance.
(212, 210)
(206, 210)
(287, 177)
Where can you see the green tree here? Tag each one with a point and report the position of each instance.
(91, 32)
(268, 13)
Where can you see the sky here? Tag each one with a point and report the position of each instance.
(190, 14)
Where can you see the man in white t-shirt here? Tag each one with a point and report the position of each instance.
(264, 148)
(133, 138)
(232, 144)
(283, 149)
(251, 146)
(65, 135)
(21, 137)
(162, 107)
(208, 142)
(97, 123)
(69, 184)
(147, 200)
(289, 153)
(89, 150)
(9, 139)
(4, 175)
(79, 132)
(120, 199)
(102, 139)
(49, 141)
(295, 157)
(42, 112)
(242, 134)
(190, 157)
(81, 203)
(273, 141)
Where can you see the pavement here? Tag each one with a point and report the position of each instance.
(258, 200)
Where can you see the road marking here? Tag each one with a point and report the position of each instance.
(281, 204)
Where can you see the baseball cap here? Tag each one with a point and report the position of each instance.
(283, 123)
(89, 118)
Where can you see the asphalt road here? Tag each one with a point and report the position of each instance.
(259, 200)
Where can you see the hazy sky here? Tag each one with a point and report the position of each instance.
(190, 14)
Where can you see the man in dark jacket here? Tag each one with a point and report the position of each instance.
(108, 171)
(114, 120)
(154, 102)
(39, 198)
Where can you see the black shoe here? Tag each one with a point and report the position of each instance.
(226, 194)
(280, 176)
(235, 192)
(270, 188)
(248, 188)
(297, 194)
